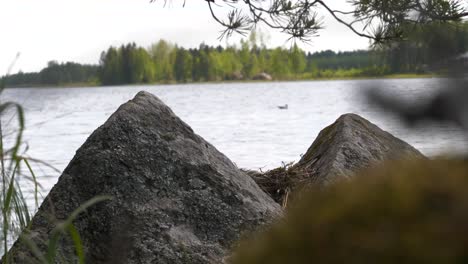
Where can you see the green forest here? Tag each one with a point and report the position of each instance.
(55, 74)
(166, 62)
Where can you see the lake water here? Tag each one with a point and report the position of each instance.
(240, 119)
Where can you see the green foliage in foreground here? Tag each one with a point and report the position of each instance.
(15, 213)
(410, 212)
(63, 228)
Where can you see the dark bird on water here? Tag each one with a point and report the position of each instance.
(283, 107)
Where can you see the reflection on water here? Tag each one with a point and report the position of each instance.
(242, 120)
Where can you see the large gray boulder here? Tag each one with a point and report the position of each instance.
(351, 143)
(176, 199)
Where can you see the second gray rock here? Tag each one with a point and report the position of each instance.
(351, 143)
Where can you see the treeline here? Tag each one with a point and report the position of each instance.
(427, 46)
(164, 62)
(55, 74)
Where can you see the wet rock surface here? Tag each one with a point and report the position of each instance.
(175, 198)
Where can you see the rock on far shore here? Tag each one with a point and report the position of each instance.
(263, 76)
(351, 143)
(175, 198)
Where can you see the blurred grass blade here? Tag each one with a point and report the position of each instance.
(52, 247)
(10, 68)
(34, 181)
(35, 250)
(61, 228)
(77, 241)
(19, 136)
(9, 194)
(85, 206)
(21, 208)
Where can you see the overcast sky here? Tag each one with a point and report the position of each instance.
(66, 30)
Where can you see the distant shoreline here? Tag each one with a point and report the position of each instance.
(389, 76)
